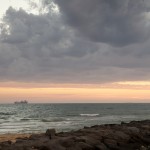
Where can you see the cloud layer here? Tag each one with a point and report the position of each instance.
(87, 42)
(118, 23)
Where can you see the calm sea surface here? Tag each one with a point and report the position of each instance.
(31, 118)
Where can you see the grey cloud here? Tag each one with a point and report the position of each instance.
(46, 48)
(38, 44)
(44, 32)
(117, 22)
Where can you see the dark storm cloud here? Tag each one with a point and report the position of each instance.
(89, 42)
(116, 22)
(32, 45)
(43, 32)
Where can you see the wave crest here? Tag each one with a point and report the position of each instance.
(89, 115)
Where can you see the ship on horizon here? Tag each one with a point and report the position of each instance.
(21, 102)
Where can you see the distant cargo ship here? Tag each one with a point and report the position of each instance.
(21, 102)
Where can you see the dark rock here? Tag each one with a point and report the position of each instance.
(50, 133)
(36, 136)
(125, 136)
(143, 148)
(121, 135)
(80, 140)
(44, 148)
(86, 127)
(133, 130)
(145, 140)
(101, 147)
(85, 146)
(6, 143)
(112, 144)
(123, 123)
(67, 142)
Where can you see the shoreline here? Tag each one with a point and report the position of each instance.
(134, 135)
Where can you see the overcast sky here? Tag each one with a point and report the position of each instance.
(78, 41)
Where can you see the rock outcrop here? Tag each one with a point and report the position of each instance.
(125, 136)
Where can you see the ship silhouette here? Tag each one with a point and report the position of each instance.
(21, 102)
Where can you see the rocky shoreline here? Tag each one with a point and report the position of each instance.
(125, 136)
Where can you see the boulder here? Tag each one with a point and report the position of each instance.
(50, 133)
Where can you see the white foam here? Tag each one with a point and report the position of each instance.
(89, 115)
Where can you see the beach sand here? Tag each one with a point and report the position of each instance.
(12, 137)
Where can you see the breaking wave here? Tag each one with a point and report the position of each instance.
(89, 115)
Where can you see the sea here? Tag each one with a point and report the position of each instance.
(36, 118)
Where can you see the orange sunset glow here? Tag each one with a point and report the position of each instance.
(104, 93)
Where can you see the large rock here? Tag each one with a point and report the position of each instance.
(50, 133)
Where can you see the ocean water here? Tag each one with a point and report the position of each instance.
(35, 118)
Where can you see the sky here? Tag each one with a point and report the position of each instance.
(55, 51)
